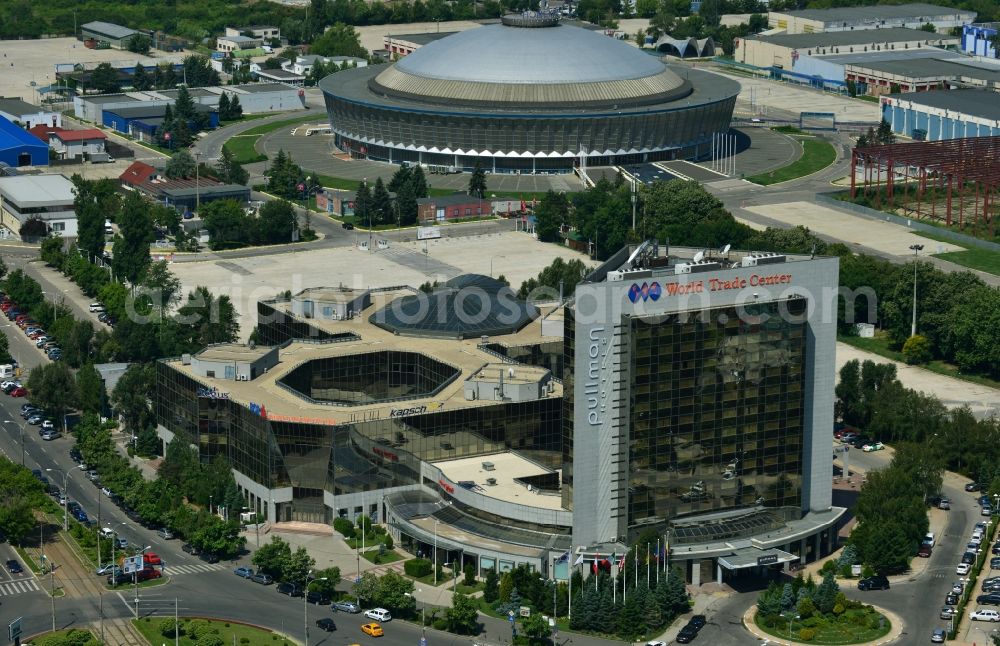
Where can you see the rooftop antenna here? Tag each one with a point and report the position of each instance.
(699, 256)
(725, 250)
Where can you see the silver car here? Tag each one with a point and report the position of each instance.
(346, 606)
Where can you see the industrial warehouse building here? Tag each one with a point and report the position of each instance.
(943, 115)
(254, 98)
(922, 74)
(912, 16)
(783, 50)
(29, 116)
(978, 39)
(18, 147)
(560, 97)
(504, 434)
(46, 197)
(115, 35)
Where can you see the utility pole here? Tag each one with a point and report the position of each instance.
(177, 626)
(917, 248)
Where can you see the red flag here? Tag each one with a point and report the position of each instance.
(593, 567)
(523, 205)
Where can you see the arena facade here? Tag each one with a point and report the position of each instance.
(528, 95)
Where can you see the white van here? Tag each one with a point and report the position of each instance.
(107, 532)
(378, 614)
(107, 228)
(6, 370)
(96, 308)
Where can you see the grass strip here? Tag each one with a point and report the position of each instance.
(816, 155)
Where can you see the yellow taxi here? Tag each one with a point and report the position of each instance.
(372, 629)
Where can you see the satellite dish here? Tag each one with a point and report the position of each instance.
(726, 249)
(698, 256)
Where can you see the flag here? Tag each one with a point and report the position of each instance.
(563, 558)
(593, 567)
(578, 561)
(621, 563)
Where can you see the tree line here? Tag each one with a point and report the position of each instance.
(953, 308)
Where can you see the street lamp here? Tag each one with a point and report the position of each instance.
(135, 577)
(454, 571)
(491, 264)
(435, 552)
(197, 182)
(916, 248)
(114, 544)
(65, 473)
(305, 607)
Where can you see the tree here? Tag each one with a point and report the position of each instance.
(470, 574)
(131, 397)
(273, 558)
(235, 109)
(91, 388)
(105, 79)
(4, 349)
(418, 183)
(477, 182)
(559, 274)
(852, 88)
(363, 204)
(135, 233)
(227, 224)
(825, 596)
(180, 166)
(160, 286)
(491, 589)
(928, 27)
(276, 222)
(326, 581)
(550, 214)
(463, 615)
(339, 40)
(209, 319)
(54, 389)
(298, 567)
(917, 350)
(884, 135)
(536, 628)
(140, 79)
(139, 44)
(381, 203)
(224, 111)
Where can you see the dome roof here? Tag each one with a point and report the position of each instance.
(465, 307)
(501, 64)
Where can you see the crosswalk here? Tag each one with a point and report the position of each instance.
(198, 568)
(18, 587)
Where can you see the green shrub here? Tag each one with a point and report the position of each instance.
(806, 634)
(917, 350)
(345, 527)
(388, 542)
(244, 640)
(167, 626)
(418, 568)
(838, 609)
(440, 624)
(829, 566)
(812, 622)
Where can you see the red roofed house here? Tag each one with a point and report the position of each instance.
(136, 175)
(43, 131)
(70, 144)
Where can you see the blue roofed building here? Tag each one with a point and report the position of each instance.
(18, 147)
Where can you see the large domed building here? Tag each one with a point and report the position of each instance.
(528, 95)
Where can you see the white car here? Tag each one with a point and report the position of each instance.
(963, 569)
(875, 446)
(378, 614)
(105, 491)
(984, 614)
(96, 308)
(47, 425)
(929, 539)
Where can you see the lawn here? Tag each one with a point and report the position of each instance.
(230, 633)
(972, 257)
(265, 128)
(28, 561)
(62, 637)
(242, 149)
(880, 345)
(855, 626)
(390, 556)
(471, 589)
(817, 154)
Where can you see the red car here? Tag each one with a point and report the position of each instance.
(36, 334)
(149, 573)
(151, 558)
(19, 392)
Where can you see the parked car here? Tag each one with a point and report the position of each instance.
(151, 558)
(951, 599)
(947, 612)
(937, 637)
(326, 624)
(107, 569)
(986, 511)
(848, 437)
(380, 614)
(244, 572)
(318, 598)
(958, 587)
(149, 573)
(261, 578)
(962, 569)
(347, 225)
(969, 558)
(209, 557)
(686, 635)
(121, 543)
(346, 606)
(51, 435)
(165, 533)
(991, 599)
(924, 551)
(995, 563)
(18, 392)
(877, 582)
(290, 589)
(96, 307)
(190, 549)
(973, 486)
(984, 614)
(372, 629)
(119, 578)
(874, 446)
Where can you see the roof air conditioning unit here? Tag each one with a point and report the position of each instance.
(489, 466)
(491, 482)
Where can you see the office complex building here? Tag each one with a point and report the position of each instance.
(674, 395)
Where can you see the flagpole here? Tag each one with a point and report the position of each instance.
(666, 554)
(647, 564)
(657, 560)
(569, 599)
(614, 582)
(635, 565)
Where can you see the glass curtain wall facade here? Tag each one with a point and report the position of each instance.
(364, 455)
(716, 412)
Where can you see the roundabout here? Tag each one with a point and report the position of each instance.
(845, 629)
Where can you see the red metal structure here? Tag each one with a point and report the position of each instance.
(955, 181)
